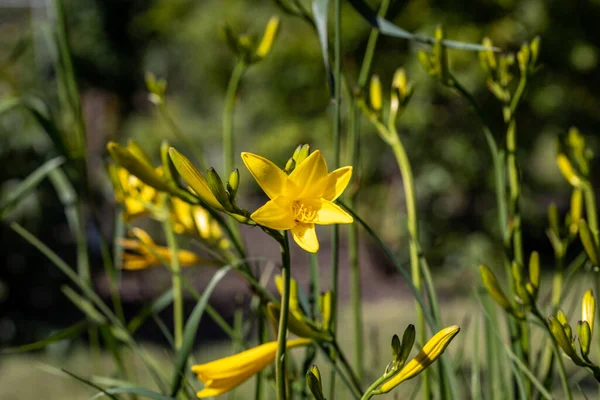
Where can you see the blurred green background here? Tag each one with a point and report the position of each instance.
(283, 101)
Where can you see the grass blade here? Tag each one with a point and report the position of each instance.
(29, 184)
(320, 9)
(71, 331)
(387, 28)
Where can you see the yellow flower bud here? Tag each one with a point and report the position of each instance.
(269, 37)
(567, 170)
(432, 350)
(493, 287)
(589, 244)
(585, 336)
(576, 210)
(588, 308)
(375, 93)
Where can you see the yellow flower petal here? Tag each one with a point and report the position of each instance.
(222, 375)
(194, 178)
(305, 236)
(308, 177)
(268, 175)
(330, 213)
(337, 182)
(275, 214)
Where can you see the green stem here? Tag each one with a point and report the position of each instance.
(353, 376)
(413, 231)
(280, 359)
(262, 330)
(232, 87)
(337, 100)
(176, 282)
(315, 286)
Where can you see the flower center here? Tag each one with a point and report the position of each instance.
(303, 213)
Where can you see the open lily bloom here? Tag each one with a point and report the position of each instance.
(227, 373)
(302, 199)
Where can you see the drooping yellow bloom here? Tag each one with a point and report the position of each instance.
(227, 373)
(300, 200)
(144, 253)
(136, 197)
(432, 350)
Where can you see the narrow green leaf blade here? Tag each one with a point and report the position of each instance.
(29, 184)
(191, 328)
(389, 29)
(69, 332)
(320, 9)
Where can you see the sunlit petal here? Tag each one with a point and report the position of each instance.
(305, 236)
(337, 182)
(330, 213)
(275, 214)
(268, 175)
(308, 176)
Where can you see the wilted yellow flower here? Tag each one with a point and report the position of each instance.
(432, 350)
(147, 253)
(136, 197)
(227, 373)
(300, 200)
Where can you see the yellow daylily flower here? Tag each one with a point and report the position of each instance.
(300, 200)
(432, 350)
(144, 253)
(227, 373)
(196, 220)
(136, 197)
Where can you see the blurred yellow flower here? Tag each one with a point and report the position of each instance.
(196, 220)
(227, 373)
(432, 350)
(300, 200)
(144, 253)
(136, 197)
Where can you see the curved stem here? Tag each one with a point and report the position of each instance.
(232, 87)
(283, 319)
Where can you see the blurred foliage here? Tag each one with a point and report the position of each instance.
(115, 42)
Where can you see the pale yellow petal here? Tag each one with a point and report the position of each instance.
(194, 178)
(309, 177)
(275, 214)
(330, 213)
(337, 181)
(268, 175)
(305, 236)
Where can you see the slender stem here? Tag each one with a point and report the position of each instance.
(262, 330)
(232, 87)
(337, 100)
(413, 231)
(175, 282)
(353, 376)
(590, 209)
(280, 360)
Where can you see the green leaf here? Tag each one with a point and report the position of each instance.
(29, 184)
(84, 305)
(387, 28)
(191, 328)
(132, 390)
(320, 8)
(155, 307)
(64, 334)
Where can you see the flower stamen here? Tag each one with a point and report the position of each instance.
(303, 213)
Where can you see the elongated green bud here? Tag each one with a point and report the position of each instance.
(233, 183)
(290, 166)
(585, 337)
(493, 287)
(375, 94)
(441, 54)
(562, 339)
(553, 218)
(313, 380)
(396, 347)
(576, 210)
(589, 244)
(534, 270)
(408, 340)
(218, 190)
